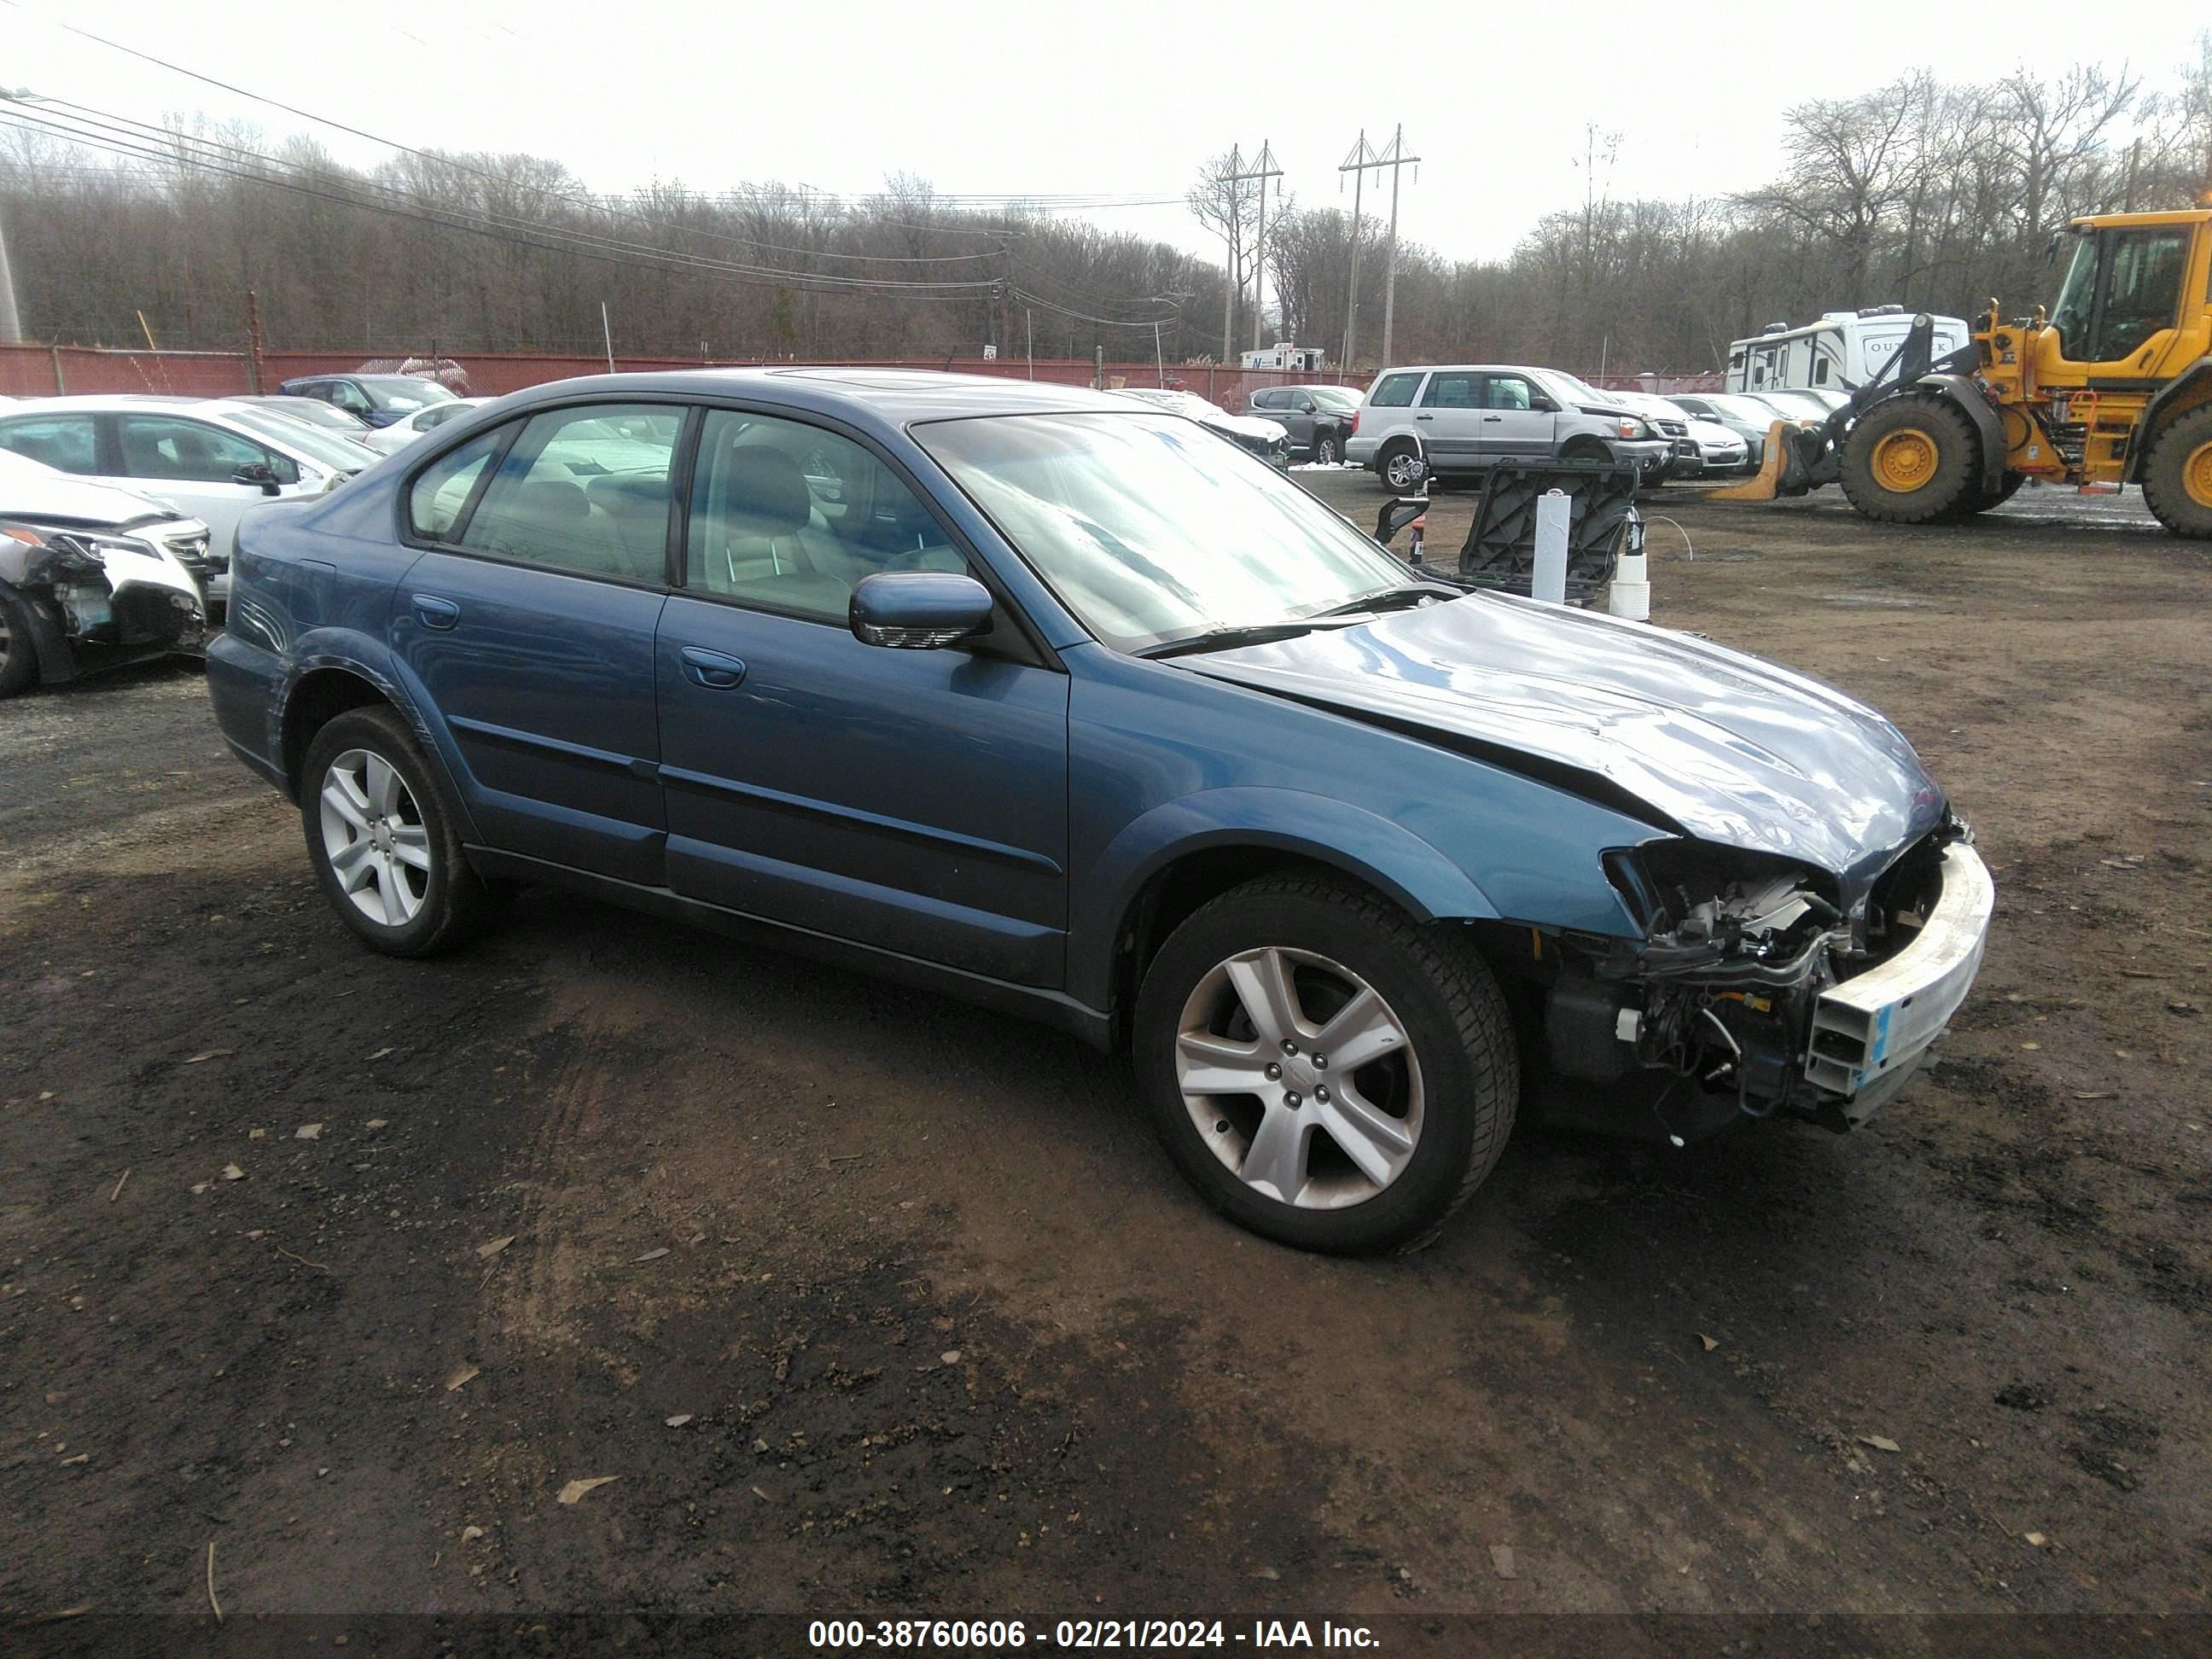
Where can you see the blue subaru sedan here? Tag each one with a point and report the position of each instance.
(1063, 704)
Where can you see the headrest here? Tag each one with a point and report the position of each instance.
(767, 483)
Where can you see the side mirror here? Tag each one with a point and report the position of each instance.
(1306, 406)
(258, 472)
(917, 609)
(1543, 405)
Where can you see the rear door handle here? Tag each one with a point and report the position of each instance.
(1490, 419)
(711, 669)
(441, 614)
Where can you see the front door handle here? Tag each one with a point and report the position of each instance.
(1425, 417)
(441, 614)
(1492, 420)
(711, 669)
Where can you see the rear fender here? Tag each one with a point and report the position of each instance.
(370, 659)
(2185, 392)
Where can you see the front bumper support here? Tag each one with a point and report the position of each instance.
(1870, 1032)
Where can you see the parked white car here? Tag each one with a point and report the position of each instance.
(207, 460)
(89, 574)
(387, 440)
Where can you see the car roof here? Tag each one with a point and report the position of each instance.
(894, 397)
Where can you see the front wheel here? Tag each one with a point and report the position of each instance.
(1328, 449)
(1912, 460)
(2177, 476)
(1324, 1070)
(19, 652)
(385, 844)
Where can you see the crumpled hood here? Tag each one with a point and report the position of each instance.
(1248, 425)
(40, 493)
(1733, 749)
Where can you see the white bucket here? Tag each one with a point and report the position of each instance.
(1629, 600)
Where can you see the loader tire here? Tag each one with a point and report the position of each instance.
(1912, 460)
(1981, 502)
(2177, 476)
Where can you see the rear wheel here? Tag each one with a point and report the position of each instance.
(1912, 460)
(2177, 476)
(1325, 1071)
(1397, 466)
(1328, 449)
(19, 652)
(385, 841)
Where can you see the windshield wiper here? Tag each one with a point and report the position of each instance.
(1391, 599)
(1229, 639)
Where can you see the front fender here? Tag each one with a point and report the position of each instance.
(1964, 392)
(1364, 845)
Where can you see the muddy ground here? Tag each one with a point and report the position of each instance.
(870, 1302)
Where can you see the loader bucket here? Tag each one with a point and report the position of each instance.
(1775, 467)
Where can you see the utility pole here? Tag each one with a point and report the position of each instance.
(11, 324)
(1263, 170)
(1358, 163)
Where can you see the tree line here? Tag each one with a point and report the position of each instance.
(1928, 194)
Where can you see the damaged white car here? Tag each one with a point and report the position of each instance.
(91, 577)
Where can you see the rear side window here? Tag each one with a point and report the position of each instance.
(1453, 391)
(441, 490)
(64, 442)
(583, 490)
(1394, 391)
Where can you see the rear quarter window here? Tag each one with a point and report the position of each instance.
(442, 489)
(1394, 391)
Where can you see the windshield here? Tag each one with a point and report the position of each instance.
(1151, 531)
(2076, 295)
(323, 448)
(1741, 408)
(1797, 405)
(405, 391)
(1342, 399)
(1581, 391)
(1189, 405)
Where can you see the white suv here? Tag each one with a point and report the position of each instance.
(1466, 419)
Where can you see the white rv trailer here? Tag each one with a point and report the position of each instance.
(1843, 349)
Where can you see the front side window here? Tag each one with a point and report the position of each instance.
(1394, 391)
(162, 447)
(67, 443)
(790, 517)
(1507, 392)
(583, 490)
(1151, 531)
(346, 396)
(2143, 290)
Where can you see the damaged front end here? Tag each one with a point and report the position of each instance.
(1761, 987)
(90, 594)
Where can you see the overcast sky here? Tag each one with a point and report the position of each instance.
(1124, 100)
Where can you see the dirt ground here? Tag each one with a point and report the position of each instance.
(867, 1302)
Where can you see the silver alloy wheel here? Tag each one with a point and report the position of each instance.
(1398, 470)
(1299, 1077)
(374, 838)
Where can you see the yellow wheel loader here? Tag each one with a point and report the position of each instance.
(2113, 387)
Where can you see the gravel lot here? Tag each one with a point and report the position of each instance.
(870, 1301)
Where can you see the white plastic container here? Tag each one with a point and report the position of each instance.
(1548, 579)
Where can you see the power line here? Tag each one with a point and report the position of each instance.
(119, 140)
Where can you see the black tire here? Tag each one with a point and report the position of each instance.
(1328, 449)
(450, 903)
(1398, 449)
(2177, 476)
(19, 652)
(1458, 1074)
(1981, 502)
(1950, 478)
